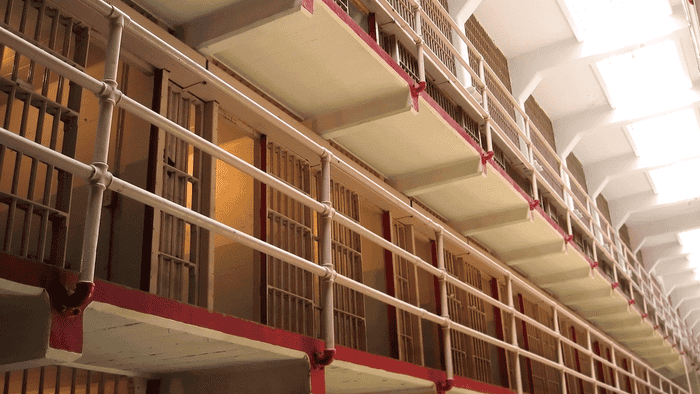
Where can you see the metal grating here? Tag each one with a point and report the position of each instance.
(39, 105)
(292, 301)
(349, 313)
(405, 283)
(175, 269)
(61, 379)
(544, 379)
(471, 356)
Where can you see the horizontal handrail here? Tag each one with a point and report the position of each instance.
(117, 185)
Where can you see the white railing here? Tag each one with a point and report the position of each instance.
(100, 179)
(610, 247)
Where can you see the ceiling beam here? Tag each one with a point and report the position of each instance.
(653, 256)
(622, 208)
(666, 225)
(461, 10)
(530, 68)
(600, 173)
(678, 279)
(602, 120)
(667, 267)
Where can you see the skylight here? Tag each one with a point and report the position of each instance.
(620, 20)
(678, 181)
(658, 137)
(691, 242)
(645, 76)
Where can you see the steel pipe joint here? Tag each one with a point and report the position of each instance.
(100, 175)
(110, 92)
(330, 274)
(117, 16)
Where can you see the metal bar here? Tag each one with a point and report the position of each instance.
(325, 251)
(445, 313)
(101, 152)
(403, 205)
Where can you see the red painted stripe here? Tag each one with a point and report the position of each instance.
(526, 344)
(406, 368)
(368, 40)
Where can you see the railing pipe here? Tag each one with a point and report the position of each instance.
(326, 255)
(149, 37)
(444, 307)
(108, 98)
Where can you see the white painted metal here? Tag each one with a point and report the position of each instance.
(325, 272)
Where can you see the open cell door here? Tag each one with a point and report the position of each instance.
(38, 104)
(406, 338)
(290, 294)
(471, 356)
(349, 305)
(180, 252)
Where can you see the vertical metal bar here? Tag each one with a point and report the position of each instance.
(325, 246)
(101, 151)
(446, 334)
(514, 335)
(419, 44)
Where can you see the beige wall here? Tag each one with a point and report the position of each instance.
(374, 276)
(236, 281)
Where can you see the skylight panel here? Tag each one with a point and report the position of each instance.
(644, 76)
(601, 20)
(691, 243)
(678, 181)
(658, 137)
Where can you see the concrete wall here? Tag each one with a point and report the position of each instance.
(236, 280)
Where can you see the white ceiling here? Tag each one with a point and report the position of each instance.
(575, 97)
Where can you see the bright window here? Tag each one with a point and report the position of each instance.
(658, 137)
(678, 181)
(645, 76)
(619, 20)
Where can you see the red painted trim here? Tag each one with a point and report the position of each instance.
(37, 274)
(600, 376)
(390, 287)
(526, 344)
(372, 26)
(308, 5)
(628, 380)
(406, 368)
(263, 231)
(435, 106)
(318, 381)
(150, 304)
(498, 321)
(578, 359)
(610, 370)
(458, 129)
(368, 40)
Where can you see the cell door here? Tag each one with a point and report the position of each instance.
(349, 305)
(290, 299)
(471, 356)
(179, 253)
(402, 283)
(38, 104)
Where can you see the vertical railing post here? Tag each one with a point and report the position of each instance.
(514, 335)
(687, 375)
(100, 178)
(444, 310)
(325, 252)
(560, 354)
(419, 43)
